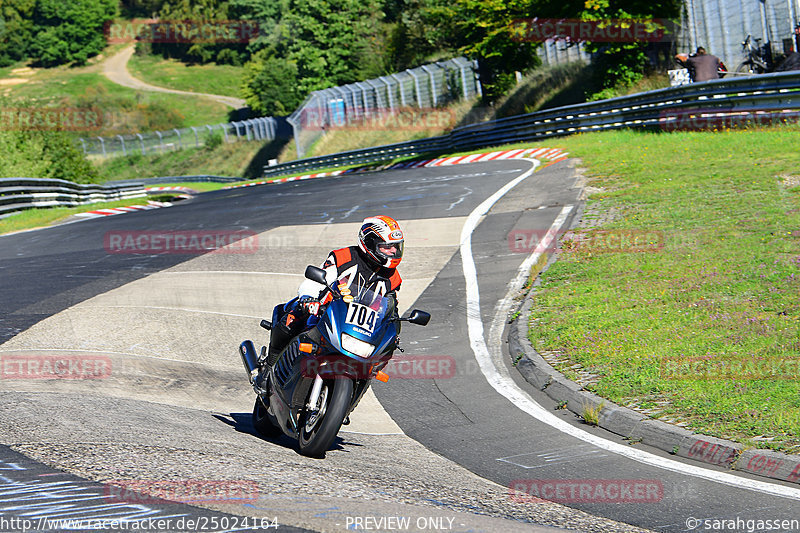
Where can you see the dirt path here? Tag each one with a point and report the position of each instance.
(115, 69)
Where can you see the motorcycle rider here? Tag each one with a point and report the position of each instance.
(371, 265)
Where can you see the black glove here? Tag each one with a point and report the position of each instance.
(309, 305)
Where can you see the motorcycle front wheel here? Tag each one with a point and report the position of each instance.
(745, 67)
(319, 427)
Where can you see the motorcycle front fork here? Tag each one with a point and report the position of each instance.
(313, 398)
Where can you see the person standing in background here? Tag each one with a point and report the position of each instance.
(702, 66)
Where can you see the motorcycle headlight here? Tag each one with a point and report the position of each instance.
(357, 346)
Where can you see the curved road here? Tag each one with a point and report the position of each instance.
(115, 69)
(175, 404)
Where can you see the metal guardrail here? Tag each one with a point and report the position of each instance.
(178, 179)
(765, 97)
(358, 157)
(17, 194)
(256, 129)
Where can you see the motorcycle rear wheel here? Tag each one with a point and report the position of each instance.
(262, 422)
(317, 432)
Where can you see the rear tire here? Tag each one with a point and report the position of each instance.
(317, 433)
(262, 421)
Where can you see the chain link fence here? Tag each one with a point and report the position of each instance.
(559, 52)
(426, 87)
(257, 129)
(720, 26)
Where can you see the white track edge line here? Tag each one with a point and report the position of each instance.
(504, 384)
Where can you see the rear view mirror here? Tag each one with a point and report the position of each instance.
(316, 274)
(420, 318)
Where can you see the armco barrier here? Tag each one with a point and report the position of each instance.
(178, 179)
(359, 157)
(17, 194)
(768, 95)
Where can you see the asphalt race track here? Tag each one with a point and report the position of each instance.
(434, 449)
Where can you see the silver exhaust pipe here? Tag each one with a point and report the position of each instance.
(249, 359)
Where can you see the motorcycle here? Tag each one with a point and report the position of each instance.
(322, 374)
(758, 58)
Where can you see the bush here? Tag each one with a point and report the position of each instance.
(213, 140)
(226, 56)
(44, 154)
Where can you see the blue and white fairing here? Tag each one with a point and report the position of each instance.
(359, 327)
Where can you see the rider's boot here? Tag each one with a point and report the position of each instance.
(280, 335)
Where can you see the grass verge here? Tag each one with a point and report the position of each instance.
(232, 159)
(705, 331)
(40, 217)
(172, 74)
(123, 110)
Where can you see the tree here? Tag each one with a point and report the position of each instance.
(270, 85)
(16, 29)
(330, 41)
(267, 14)
(417, 34)
(69, 31)
(316, 44)
(483, 29)
(140, 8)
(197, 13)
(621, 64)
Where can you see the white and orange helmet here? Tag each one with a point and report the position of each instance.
(381, 239)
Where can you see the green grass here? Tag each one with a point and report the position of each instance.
(224, 160)
(723, 290)
(211, 78)
(40, 217)
(124, 110)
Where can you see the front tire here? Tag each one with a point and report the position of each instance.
(262, 421)
(745, 67)
(318, 431)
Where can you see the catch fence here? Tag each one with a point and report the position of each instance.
(257, 129)
(426, 87)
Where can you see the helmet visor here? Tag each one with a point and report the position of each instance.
(392, 250)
